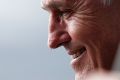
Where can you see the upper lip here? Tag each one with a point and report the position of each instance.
(76, 53)
(72, 52)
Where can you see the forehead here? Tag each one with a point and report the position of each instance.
(51, 1)
(48, 4)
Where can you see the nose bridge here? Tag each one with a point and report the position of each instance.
(54, 31)
(53, 23)
(57, 30)
(55, 26)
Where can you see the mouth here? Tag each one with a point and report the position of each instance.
(78, 53)
(78, 57)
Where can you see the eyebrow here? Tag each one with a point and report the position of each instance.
(52, 5)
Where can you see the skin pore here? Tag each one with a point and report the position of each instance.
(89, 31)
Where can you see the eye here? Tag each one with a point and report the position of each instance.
(65, 13)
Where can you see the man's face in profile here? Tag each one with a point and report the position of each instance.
(87, 30)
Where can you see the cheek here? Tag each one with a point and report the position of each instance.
(83, 32)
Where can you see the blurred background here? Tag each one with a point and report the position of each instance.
(24, 54)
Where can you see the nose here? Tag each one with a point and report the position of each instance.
(57, 34)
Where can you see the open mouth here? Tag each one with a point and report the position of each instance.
(79, 53)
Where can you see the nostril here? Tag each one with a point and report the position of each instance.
(56, 41)
(55, 44)
(65, 38)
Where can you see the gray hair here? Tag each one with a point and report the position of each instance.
(107, 2)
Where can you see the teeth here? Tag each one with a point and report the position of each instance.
(78, 53)
(82, 50)
(73, 56)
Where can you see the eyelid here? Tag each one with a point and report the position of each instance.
(67, 13)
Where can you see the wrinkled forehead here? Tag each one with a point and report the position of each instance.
(46, 4)
(57, 1)
(59, 4)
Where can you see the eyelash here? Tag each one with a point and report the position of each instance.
(65, 13)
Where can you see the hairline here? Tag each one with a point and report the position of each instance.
(54, 4)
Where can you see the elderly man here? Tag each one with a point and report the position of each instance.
(88, 29)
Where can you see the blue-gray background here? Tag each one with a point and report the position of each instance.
(24, 54)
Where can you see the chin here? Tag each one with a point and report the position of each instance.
(83, 66)
(82, 75)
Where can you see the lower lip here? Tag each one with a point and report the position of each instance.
(78, 59)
